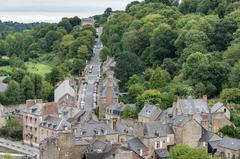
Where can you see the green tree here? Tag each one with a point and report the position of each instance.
(231, 95)
(159, 78)
(65, 23)
(54, 76)
(13, 93)
(151, 96)
(104, 53)
(129, 112)
(83, 52)
(13, 129)
(193, 62)
(47, 91)
(178, 151)
(234, 77)
(78, 66)
(127, 64)
(162, 43)
(134, 91)
(27, 87)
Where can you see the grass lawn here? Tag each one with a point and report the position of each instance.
(38, 68)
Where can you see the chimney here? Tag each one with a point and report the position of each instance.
(205, 98)
(32, 102)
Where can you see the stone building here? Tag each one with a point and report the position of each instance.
(33, 117)
(97, 130)
(107, 92)
(140, 150)
(63, 146)
(158, 136)
(228, 148)
(66, 93)
(221, 109)
(51, 126)
(187, 130)
(149, 113)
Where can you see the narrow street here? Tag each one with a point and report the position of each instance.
(88, 92)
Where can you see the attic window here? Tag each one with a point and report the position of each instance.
(225, 110)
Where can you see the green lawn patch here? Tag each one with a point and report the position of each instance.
(38, 68)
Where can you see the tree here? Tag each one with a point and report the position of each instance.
(54, 76)
(182, 151)
(83, 52)
(162, 43)
(134, 91)
(127, 64)
(66, 24)
(234, 77)
(38, 85)
(78, 66)
(104, 53)
(47, 91)
(13, 93)
(159, 78)
(151, 96)
(232, 54)
(129, 112)
(193, 62)
(231, 95)
(231, 131)
(178, 151)
(13, 129)
(50, 38)
(27, 87)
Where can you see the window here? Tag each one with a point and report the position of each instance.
(225, 110)
(157, 145)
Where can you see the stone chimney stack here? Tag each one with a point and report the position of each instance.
(205, 98)
(32, 102)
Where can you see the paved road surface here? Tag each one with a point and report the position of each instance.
(88, 93)
(19, 147)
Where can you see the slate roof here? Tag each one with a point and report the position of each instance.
(80, 142)
(156, 129)
(92, 128)
(123, 128)
(148, 110)
(193, 106)
(2, 78)
(162, 153)
(64, 88)
(55, 123)
(180, 120)
(3, 87)
(136, 144)
(206, 135)
(117, 107)
(35, 109)
(216, 107)
(230, 143)
(213, 144)
(164, 115)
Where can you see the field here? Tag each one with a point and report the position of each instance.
(32, 67)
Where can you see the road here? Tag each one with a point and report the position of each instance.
(88, 92)
(19, 147)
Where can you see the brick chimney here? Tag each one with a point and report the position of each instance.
(50, 109)
(205, 98)
(32, 102)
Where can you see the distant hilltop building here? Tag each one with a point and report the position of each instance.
(89, 20)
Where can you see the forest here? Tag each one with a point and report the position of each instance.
(165, 50)
(35, 59)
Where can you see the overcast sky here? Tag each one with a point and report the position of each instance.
(53, 10)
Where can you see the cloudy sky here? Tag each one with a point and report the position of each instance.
(53, 10)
